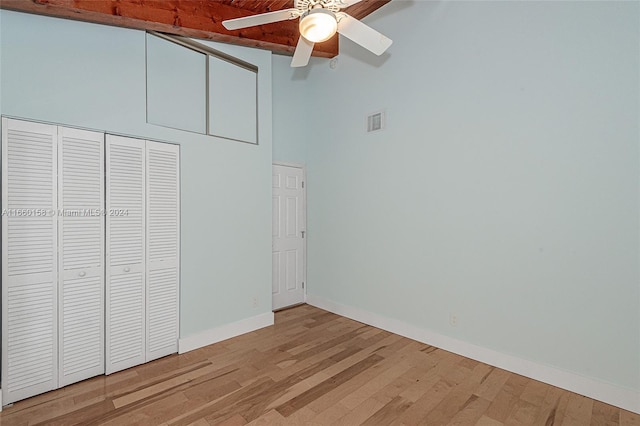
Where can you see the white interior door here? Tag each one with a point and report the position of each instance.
(81, 254)
(29, 260)
(125, 248)
(163, 248)
(289, 227)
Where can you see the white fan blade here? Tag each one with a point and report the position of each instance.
(303, 53)
(362, 34)
(263, 18)
(346, 3)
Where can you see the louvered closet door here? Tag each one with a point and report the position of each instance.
(81, 254)
(125, 245)
(29, 260)
(163, 239)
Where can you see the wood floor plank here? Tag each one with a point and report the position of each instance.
(578, 411)
(604, 415)
(380, 381)
(471, 412)
(522, 413)
(437, 363)
(488, 421)
(424, 405)
(235, 420)
(507, 397)
(270, 418)
(388, 412)
(627, 418)
(459, 397)
(307, 397)
(549, 407)
(360, 413)
(492, 384)
(534, 393)
(314, 368)
(339, 393)
(332, 414)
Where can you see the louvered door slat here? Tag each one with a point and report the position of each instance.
(29, 260)
(163, 237)
(125, 307)
(81, 258)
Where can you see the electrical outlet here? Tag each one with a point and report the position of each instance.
(255, 302)
(453, 319)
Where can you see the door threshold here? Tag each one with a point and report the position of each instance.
(295, 305)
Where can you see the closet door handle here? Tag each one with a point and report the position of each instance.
(82, 273)
(127, 269)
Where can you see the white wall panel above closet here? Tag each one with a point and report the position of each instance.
(233, 94)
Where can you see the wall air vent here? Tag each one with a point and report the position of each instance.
(376, 121)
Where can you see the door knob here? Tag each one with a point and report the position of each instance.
(127, 269)
(82, 273)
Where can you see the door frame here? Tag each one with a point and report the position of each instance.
(303, 167)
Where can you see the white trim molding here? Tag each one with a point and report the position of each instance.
(224, 332)
(289, 164)
(627, 399)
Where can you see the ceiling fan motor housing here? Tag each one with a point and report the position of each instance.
(306, 5)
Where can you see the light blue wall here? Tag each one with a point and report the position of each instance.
(93, 76)
(505, 188)
(292, 110)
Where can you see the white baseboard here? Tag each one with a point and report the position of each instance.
(620, 397)
(224, 332)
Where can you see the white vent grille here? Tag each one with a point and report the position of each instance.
(376, 121)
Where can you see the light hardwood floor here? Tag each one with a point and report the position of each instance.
(314, 368)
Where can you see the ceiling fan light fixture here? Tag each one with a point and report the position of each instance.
(318, 25)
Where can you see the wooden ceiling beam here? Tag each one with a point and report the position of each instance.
(191, 18)
(365, 7)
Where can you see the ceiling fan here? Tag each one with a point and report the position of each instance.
(319, 21)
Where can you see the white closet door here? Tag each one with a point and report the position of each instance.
(125, 245)
(81, 256)
(29, 260)
(163, 248)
